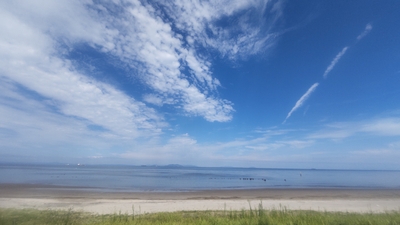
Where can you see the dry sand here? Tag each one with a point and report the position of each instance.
(100, 202)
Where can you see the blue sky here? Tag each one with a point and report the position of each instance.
(270, 83)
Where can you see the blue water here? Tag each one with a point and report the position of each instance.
(158, 178)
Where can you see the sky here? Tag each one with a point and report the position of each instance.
(257, 83)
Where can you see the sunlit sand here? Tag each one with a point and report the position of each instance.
(344, 200)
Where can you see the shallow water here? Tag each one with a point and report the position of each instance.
(164, 178)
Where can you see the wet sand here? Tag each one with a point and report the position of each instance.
(105, 202)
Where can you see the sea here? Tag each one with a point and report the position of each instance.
(176, 178)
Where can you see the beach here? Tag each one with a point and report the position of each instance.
(107, 202)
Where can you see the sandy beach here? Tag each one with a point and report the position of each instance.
(105, 202)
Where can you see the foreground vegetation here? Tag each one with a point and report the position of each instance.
(259, 216)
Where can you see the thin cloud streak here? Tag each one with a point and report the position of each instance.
(301, 101)
(366, 31)
(335, 61)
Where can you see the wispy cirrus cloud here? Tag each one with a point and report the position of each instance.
(166, 51)
(167, 43)
(301, 101)
(146, 38)
(247, 34)
(335, 61)
(37, 64)
(137, 35)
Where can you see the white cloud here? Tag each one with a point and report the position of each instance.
(34, 127)
(366, 31)
(376, 152)
(249, 33)
(383, 127)
(389, 127)
(138, 37)
(244, 151)
(47, 102)
(146, 40)
(178, 149)
(153, 99)
(151, 41)
(298, 143)
(335, 61)
(385, 157)
(165, 52)
(274, 147)
(395, 145)
(281, 144)
(44, 99)
(301, 101)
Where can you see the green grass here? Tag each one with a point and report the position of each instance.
(248, 217)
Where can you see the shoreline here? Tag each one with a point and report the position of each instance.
(21, 196)
(52, 191)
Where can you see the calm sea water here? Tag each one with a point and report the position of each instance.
(158, 178)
